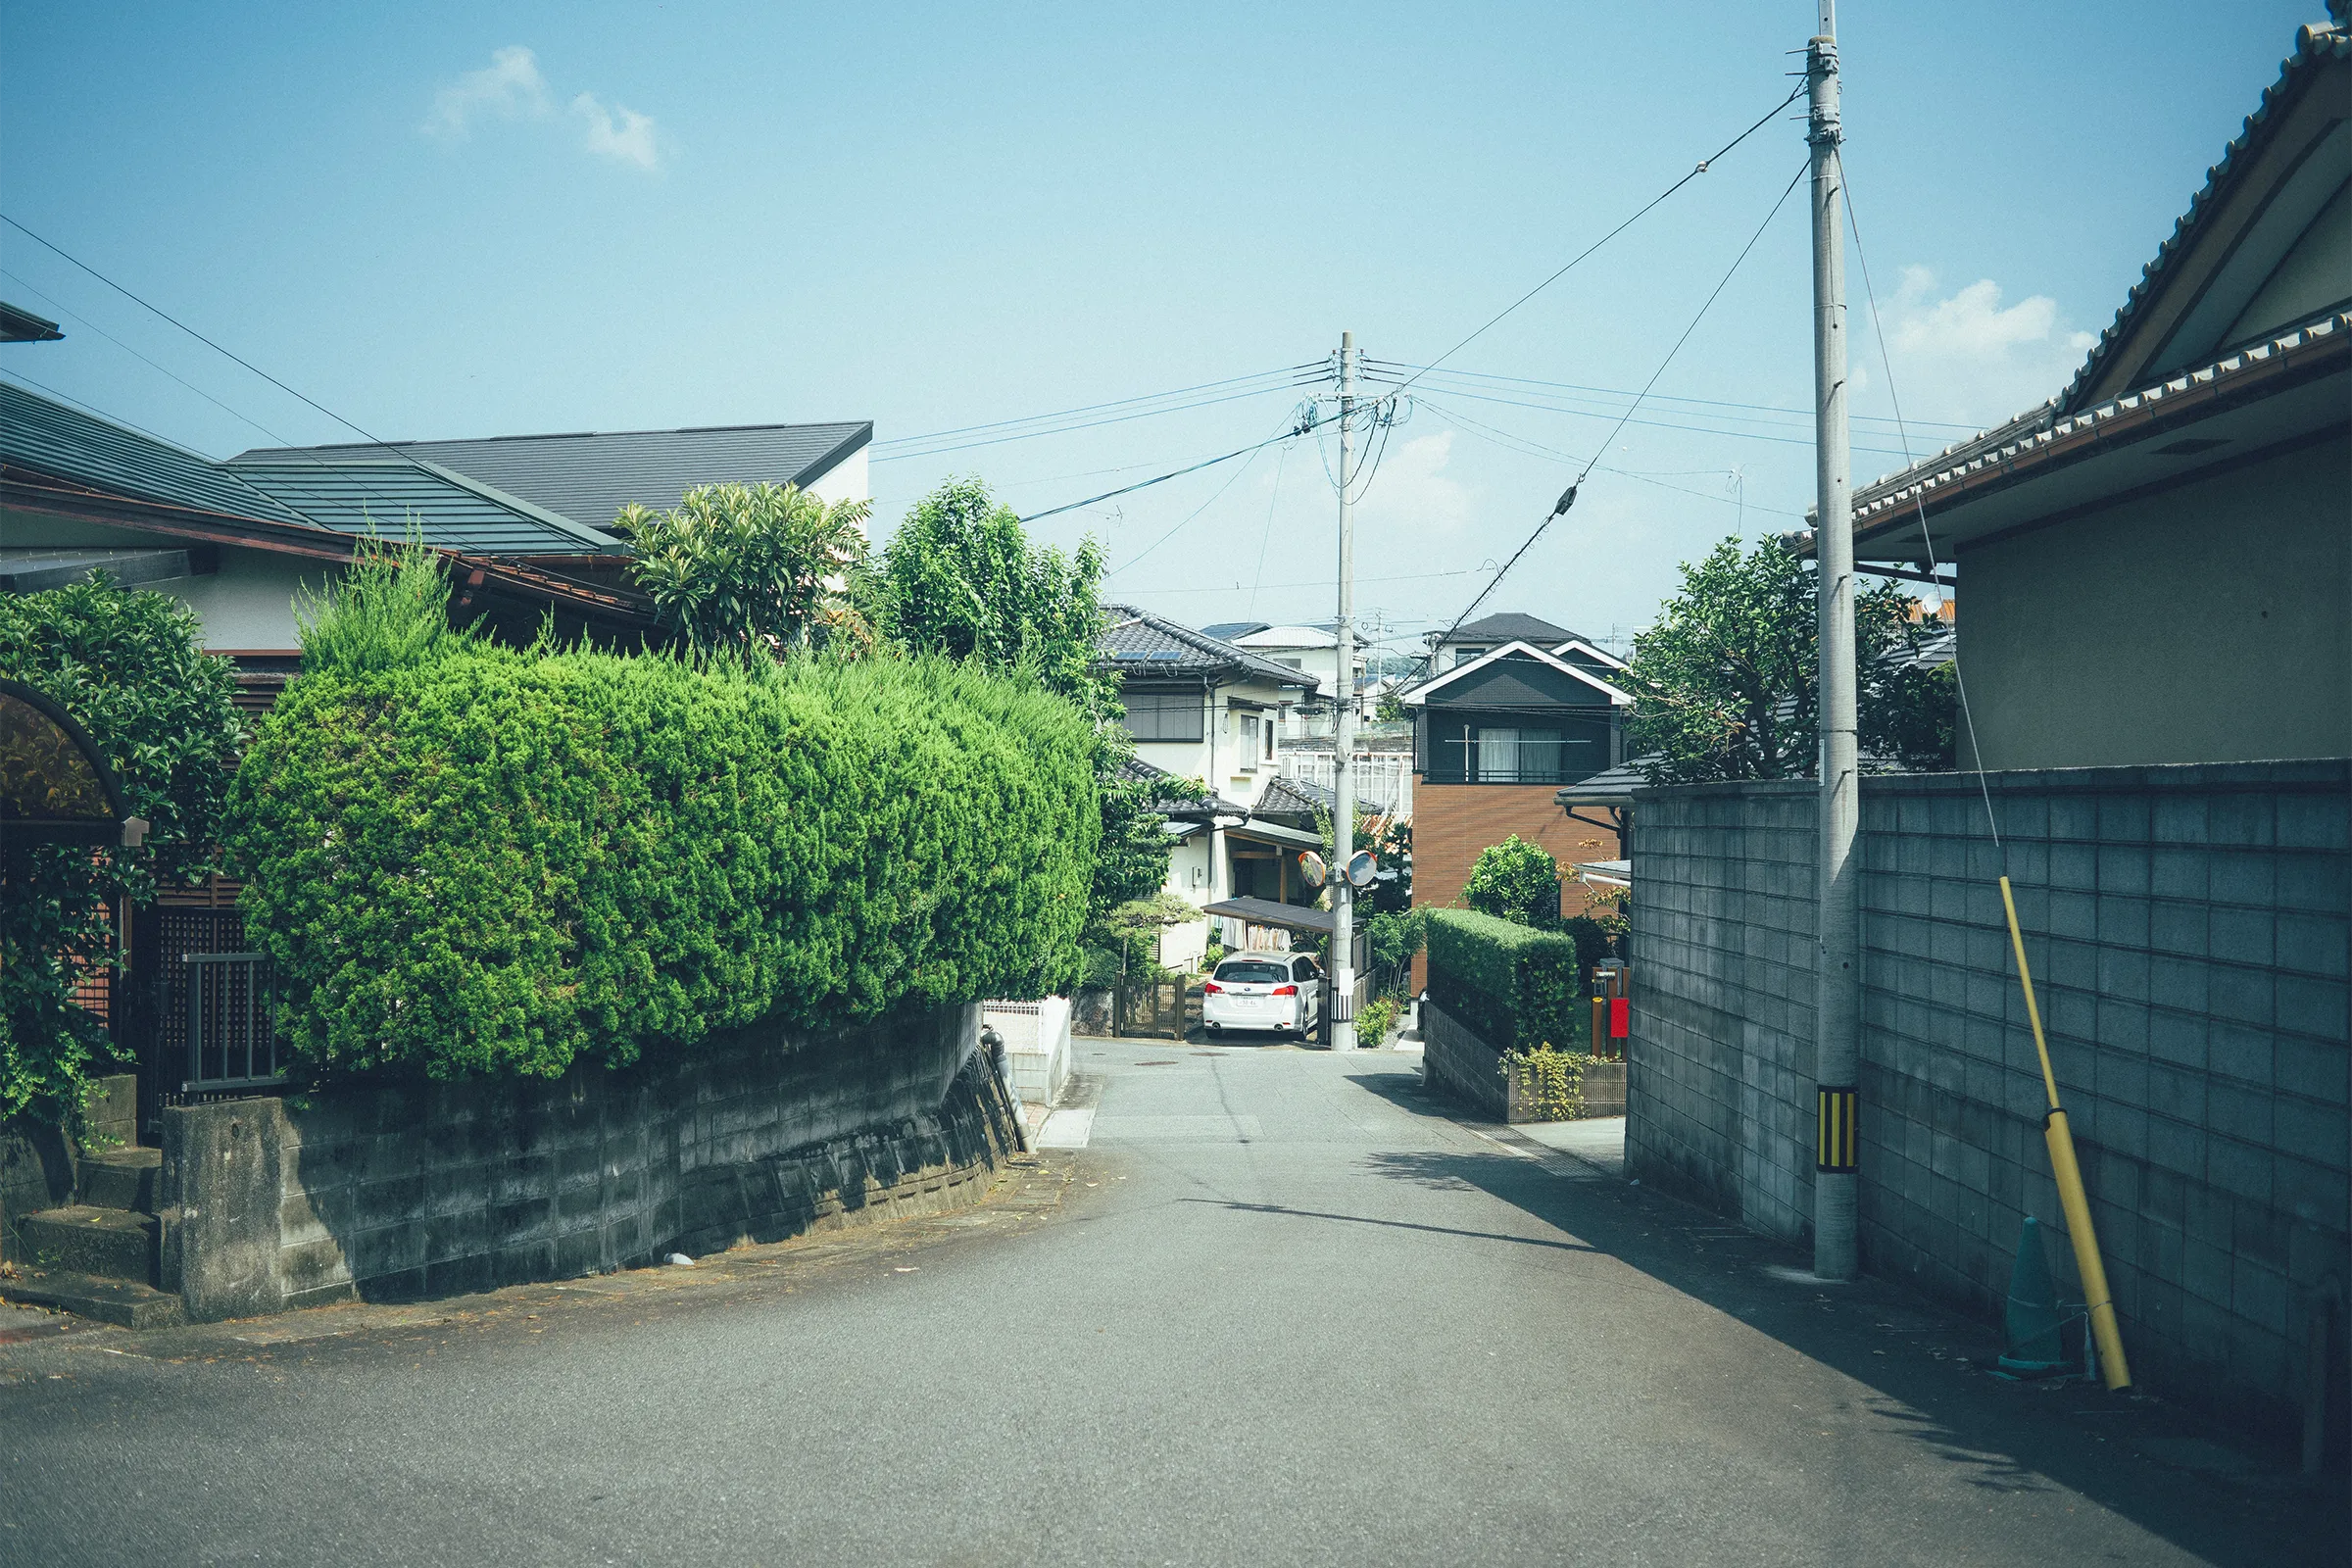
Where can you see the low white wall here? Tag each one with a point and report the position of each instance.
(1181, 947)
(1037, 1045)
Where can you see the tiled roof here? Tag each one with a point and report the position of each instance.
(46, 437)
(1228, 630)
(2028, 436)
(2067, 419)
(1140, 645)
(22, 327)
(588, 476)
(1508, 626)
(2313, 45)
(1168, 803)
(1284, 795)
(393, 499)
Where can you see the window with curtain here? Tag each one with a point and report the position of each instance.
(1163, 716)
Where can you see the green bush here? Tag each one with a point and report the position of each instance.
(1396, 938)
(1516, 880)
(129, 666)
(1512, 985)
(1372, 1025)
(488, 860)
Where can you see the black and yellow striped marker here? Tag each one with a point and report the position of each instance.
(1840, 1148)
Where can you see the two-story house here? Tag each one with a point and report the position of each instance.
(1204, 710)
(1495, 737)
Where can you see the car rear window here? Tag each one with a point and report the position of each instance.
(1253, 974)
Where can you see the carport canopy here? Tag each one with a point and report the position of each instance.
(1265, 912)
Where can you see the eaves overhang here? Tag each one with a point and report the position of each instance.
(24, 490)
(2294, 388)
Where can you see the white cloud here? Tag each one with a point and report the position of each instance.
(510, 87)
(1967, 357)
(621, 134)
(1411, 491)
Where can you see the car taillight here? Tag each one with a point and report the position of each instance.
(1212, 989)
(1285, 991)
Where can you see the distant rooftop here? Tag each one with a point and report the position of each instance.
(1509, 627)
(588, 476)
(1141, 645)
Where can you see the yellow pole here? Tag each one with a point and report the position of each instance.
(2113, 1368)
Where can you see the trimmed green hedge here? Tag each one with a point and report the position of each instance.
(1514, 987)
(503, 861)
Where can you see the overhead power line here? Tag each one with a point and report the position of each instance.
(1794, 94)
(1089, 425)
(1617, 417)
(1390, 367)
(1568, 497)
(1286, 370)
(159, 312)
(1513, 441)
(1177, 473)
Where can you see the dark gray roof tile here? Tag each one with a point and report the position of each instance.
(588, 476)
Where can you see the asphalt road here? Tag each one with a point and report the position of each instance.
(1283, 1311)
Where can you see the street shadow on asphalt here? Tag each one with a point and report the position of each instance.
(1922, 1362)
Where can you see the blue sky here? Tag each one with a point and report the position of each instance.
(481, 219)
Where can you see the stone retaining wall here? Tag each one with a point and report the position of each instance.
(388, 1190)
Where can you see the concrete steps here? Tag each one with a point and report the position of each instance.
(118, 1244)
(120, 1178)
(129, 1304)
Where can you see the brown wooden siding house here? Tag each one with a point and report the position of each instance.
(1503, 724)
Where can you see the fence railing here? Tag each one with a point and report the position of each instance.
(232, 1024)
(1382, 777)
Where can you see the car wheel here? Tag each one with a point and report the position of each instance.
(1216, 1029)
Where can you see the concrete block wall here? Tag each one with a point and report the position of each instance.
(2188, 931)
(383, 1191)
(1719, 1080)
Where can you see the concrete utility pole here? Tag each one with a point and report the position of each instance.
(1837, 973)
(1341, 1026)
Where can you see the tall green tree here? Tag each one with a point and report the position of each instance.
(763, 566)
(1726, 682)
(961, 579)
(131, 667)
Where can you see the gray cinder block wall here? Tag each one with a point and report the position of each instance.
(2189, 932)
(383, 1191)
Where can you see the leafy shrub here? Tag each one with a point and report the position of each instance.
(129, 666)
(748, 568)
(488, 860)
(1511, 985)
(1517, 881)
(1396, 938)
(1372, 1025)
(389, 612)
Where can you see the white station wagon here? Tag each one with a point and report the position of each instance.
(1276, 992)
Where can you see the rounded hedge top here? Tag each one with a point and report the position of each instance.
(493, 862)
